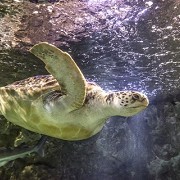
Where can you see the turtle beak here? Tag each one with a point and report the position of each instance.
(145, 102)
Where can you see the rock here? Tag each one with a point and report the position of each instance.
(61, 23)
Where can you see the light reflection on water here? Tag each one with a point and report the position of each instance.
(119, 69)
(137, 57)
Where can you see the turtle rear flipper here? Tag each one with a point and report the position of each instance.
(64, 69)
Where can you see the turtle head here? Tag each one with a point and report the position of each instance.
(127, 103)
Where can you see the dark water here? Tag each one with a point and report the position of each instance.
(140, 51)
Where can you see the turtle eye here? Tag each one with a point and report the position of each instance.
(136, 96)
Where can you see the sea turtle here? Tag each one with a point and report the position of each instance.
(64, 105)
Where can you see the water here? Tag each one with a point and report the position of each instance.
(137, 49)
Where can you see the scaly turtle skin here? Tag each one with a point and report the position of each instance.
(64, 105)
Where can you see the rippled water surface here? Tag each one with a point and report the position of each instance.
(140, 54)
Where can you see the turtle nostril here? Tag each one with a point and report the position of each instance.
(143, 99)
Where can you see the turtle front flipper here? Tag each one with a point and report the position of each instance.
(64, 69)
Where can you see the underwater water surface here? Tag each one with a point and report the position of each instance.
(141, 54)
